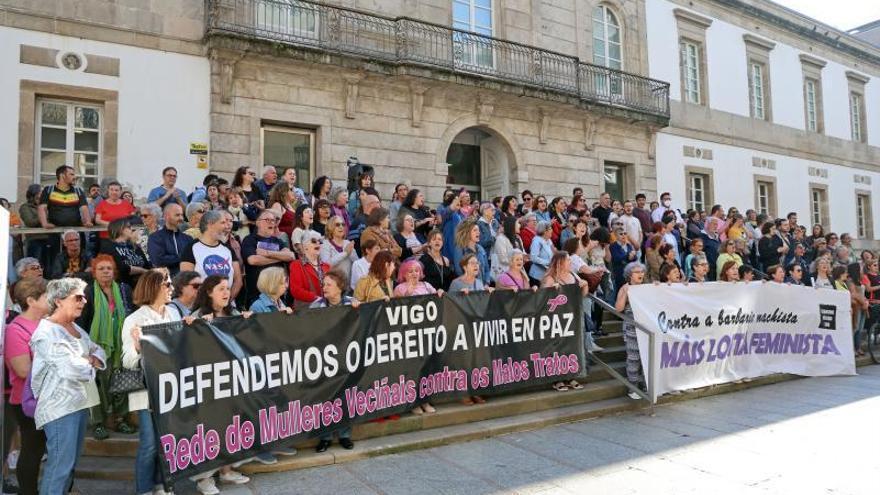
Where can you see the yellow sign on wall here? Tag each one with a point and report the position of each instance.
(198, 148)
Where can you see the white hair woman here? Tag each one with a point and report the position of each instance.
(633, 274)
(63, 381)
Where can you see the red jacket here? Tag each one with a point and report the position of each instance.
(305, 285)
(527, 234)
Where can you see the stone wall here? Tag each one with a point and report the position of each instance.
(168, 25)
(267, 89)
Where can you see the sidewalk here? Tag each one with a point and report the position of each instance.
(797, 437)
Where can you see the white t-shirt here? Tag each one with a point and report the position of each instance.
(358, 270)
(633, 228)
(210, 260)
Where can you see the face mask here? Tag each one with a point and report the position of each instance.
(667, 203)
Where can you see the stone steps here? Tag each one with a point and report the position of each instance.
(452, 423)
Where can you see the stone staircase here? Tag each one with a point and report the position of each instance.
(113, 459)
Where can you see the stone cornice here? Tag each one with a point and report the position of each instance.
(857, 78)
(843, 43)
(811, 60)
(760, 43)
(692, 18)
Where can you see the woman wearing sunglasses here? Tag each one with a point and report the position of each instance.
(63, 381)
(186, 288)
(152, 294)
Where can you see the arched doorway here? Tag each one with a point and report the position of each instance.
(481, 162)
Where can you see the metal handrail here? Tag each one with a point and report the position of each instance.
(403, 40)
(652, 343)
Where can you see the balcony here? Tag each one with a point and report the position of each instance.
(407, 42)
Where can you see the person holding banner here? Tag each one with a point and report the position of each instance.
(332, 289)
(272, 284)
(794, 274)
(728, 254)
(776, 274)
(729, 272)
(470, 281)
(63, 381)
(30, 295)
(515, 277)
(152, 294)
(214, 301)
(699, 269)
(822, 280)
(633, 274)
(559, 274)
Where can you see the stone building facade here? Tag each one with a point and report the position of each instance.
(306, 85)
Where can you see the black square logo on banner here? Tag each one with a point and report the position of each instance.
(828, 317)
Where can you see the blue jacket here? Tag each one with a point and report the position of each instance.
(164, 247)
(485, 269)
(159, 191)
(263, 305)
(540, 254)
(487, 233)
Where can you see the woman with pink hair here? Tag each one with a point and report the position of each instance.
(410, 283)
(409, 280)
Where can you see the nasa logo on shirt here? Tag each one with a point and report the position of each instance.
(216, 265)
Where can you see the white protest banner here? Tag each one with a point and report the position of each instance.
(722, 332)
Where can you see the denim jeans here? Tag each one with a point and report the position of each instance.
(147, 473)
(343, 433)
(64, 441)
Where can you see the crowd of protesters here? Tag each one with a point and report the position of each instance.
(261, 245)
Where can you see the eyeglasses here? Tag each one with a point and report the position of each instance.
(527, 199)
(173, 176)
(195, 285)
(338, 224)
(267, 219)
(252, 174)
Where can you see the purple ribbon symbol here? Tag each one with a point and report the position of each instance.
(556, 302)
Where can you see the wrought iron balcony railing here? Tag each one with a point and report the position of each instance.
(412, 42)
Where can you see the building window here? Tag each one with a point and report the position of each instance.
(68, 134)
(690, 56)
(757, 90)
(819, 206)
(765, 195)
(473, 16)
(289, 147)
(856, 112)
(607, 49)
(864, 218)
(697, 196)
(295, 19)
(810, 96)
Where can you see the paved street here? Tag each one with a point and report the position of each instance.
(799, 437)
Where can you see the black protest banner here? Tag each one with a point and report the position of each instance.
(222, 391)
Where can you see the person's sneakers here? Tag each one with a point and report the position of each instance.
(598, 348)
(160, 490)
(285, 451)
(633, 396)
(322, 446)
(207, 486)
(9, 487)
(346, 443)
(234, 477)
(266, 458)
(12, 459)
(100, 433)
